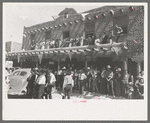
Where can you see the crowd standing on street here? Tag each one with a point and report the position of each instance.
(110, 82)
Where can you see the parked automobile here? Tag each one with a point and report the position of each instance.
(18, 82)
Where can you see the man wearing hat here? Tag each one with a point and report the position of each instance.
(117, 81)
(82, 78)
(62, 77)
(30, 86)
(140, 85)
(35, 87)
(89, 79)
(50, 82)
(68, 84)
(41, 82)
(109, 79)
(124, 83)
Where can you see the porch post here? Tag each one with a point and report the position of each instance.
(21, 64)
(58, 64)
(125, 65)
(138, 68)
(86, 63)
(36, 64)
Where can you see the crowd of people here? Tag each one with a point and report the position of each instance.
(107, 37)
(90, 80)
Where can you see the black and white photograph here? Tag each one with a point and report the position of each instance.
(75, 53)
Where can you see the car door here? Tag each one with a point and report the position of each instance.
(22, 83)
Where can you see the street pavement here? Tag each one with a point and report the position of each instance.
(86, 95)
(57, 94)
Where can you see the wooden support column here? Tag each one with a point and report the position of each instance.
(138, 68)
(125, 65)
(37, 64)
(21, 64)
(86, 63)
(58, 64)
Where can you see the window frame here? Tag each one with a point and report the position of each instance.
(67, 32)
(16, 72)
(46, 35)
(24, 72)
(66, 15)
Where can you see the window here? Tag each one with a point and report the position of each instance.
(47, 35)
(89, 28)
(23, 73)
(32, 37)
(122, 22)
(66, 34)
(66, 15)
(16, 73)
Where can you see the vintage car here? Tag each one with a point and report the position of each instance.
(18, 82)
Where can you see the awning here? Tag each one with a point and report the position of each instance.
(89, 52)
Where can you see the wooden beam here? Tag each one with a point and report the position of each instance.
(80, 50)
(50, 51)
(75, 51)
(33, 52)
(62, 51)
(55, 51)
(46, 52)
(96, 49)
(88, 50)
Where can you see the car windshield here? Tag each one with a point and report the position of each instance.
(23, 73)
(16, 73)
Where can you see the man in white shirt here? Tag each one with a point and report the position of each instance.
(68, 84)
(82, 78)
(51, 82)
(41, 82)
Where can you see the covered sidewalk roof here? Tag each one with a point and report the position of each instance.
(89, 51)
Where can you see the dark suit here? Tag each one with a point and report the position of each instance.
(30, 85)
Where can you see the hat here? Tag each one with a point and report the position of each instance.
(36, 68)
(88, 68)
(108, 66)
(64, 68)
(118, 69)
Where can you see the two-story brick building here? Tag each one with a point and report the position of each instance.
(124, 53)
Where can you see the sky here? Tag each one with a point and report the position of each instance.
(18, 15)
